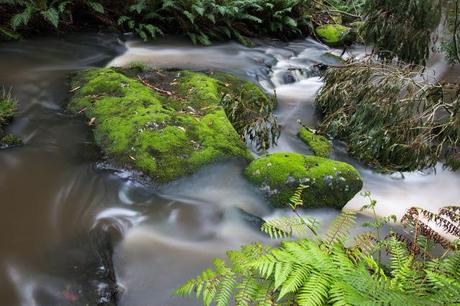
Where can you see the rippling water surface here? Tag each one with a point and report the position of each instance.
(63, 213)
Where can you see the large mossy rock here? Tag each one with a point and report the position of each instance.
(329, 183)
(335, 34)
(166, 124)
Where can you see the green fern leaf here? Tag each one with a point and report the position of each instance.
(23, 18)
(96, 6)
(52, 16)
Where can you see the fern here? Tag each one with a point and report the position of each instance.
(295, 226)
(22, 18)
(52, 16)
(323, 271)
(339, 230)
(96, 6)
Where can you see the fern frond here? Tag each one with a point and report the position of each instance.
(294, 226)
(340, 228)
(22, 19)
(315, 291)
(52, 16)
(366, 243)
(296, 199)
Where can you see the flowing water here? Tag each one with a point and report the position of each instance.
(65, 215)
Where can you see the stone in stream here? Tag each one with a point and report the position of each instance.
(335, 35)
(166, 124)
(329, 183)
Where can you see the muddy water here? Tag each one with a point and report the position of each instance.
(56, 198)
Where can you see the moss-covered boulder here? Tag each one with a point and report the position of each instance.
(166, 124)
(329, 183)
(320, 145)
(335, 34)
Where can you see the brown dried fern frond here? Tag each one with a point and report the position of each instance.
(418, 219)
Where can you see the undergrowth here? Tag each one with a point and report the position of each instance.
(402, 29)
(336, 270)
(203, 21)
(390, 117)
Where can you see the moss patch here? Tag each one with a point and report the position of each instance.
(165, 123)
(330, 183)
(320, 145)
(335, 34)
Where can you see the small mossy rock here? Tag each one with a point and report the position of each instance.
(335, 34)
(10, 141)
(166, 124)
(329, 183)
(320, 145)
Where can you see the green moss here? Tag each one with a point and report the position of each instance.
(330, 183)
(9, 141)
(164, 135)
(320, 145)
(335, 34)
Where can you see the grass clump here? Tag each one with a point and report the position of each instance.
(165, 123)
(390, 117)
(7, 107)
(320, 145)
(7, 113)
(328, 182)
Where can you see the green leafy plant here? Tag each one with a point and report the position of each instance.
(204, 21)
(50, 11)
(7, 107)
(402, 29)
(140, 18)
(324, 271)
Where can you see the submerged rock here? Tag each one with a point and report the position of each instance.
(335, 34)
(329, 183)
(320, 145)
(166, 124)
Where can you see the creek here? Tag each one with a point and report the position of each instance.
(71, 226)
